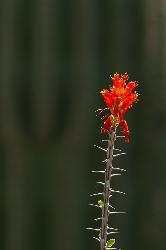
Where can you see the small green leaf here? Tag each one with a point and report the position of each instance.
(100, 202)
(110, 243)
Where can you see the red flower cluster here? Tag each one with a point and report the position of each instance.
(119, 99)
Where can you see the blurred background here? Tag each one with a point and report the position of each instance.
(55, 57)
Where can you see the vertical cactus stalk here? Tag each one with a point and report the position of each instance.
(118, 99)
(107, 190)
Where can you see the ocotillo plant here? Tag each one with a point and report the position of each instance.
(118, 99)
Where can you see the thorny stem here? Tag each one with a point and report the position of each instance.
(107, 190)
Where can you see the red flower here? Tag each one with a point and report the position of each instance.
(118, 99)
(125, 128)
(107, 125)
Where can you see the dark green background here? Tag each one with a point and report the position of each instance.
(55, 57)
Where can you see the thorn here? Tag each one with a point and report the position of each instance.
(112, 233)
(112, 248)
(120, 169)
(99, 182)
(94, 205)
(94, 229)
(96, 239)
(101, 110)
(106, 160)
(119, 154)
(117, 212)
(111, 206)
(112, 228)
(115, 175)
(120, 136)
(116, 191)
(98, 110)
(117, 149)
(97, 219)
(96, 194)
(103, 117)
(96, 171)
(105, 150)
